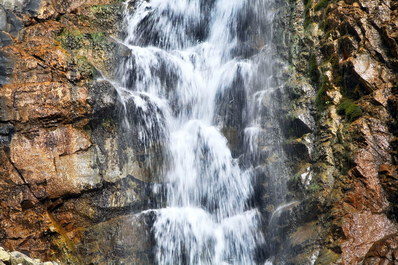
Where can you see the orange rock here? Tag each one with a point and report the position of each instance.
(33, 101)
(362, 230)
(59, 161)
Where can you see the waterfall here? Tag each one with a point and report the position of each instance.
(190, 77)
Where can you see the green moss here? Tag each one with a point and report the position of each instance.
(326, 257)
(322, 99)
(101, 8)
(319, 100)
(71, 39)
(74, 39)
(321, 5)
(97, 37)
(103, 11)
(307, 6)
(106, 17)
(85, 67)
(314, 187)
(313, 68)
(349, 109)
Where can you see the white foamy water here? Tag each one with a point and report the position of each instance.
(186, 56)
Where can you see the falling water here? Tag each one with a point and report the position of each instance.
(188, 77)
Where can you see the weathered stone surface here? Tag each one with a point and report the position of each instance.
(4, 256)
(123, 240)
(362, 230)
(68, 184)
(348, 52)
(17, 258)
(65, 165)
(58, 161)
(384, 251)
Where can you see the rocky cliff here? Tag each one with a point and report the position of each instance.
(71, 181)
(345, 54)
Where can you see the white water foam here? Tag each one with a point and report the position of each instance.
(184, 58)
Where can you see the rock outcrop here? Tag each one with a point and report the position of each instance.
(10, 258)
(70, 181)
(347, 52)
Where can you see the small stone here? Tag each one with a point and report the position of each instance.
(3, 19)
(4, 255)
(19, 258)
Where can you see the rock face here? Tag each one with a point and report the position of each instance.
(346, 52)
(19, 258)
(70, 182)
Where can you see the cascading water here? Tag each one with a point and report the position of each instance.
(190, 76)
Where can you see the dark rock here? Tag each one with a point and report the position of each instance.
(298, 126)
(5, 39)
(5, 69)
(3, 19)
(14, 24)
(389, 181)
(103, 99)
(122, 240)
(6, 131)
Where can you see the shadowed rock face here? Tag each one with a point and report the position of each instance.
(70, 182)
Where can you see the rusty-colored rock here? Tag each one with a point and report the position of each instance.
(59, 161)
(64, 169)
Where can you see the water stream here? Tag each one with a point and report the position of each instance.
(190, 78)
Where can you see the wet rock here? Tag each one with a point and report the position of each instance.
(367, 72)
(3, 19)
(384, 251)
(106, 104)
(60, 171)
(5, 74)
(125, 239)
(297, 151)
(353, 164)
(5, 39)
(26, 102)
(305, 234)
(298, 126)
(389, 181)
(6, 131)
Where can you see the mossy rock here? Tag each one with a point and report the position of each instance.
(97, 38)
(313, 70)
(350, 110)
(322, 99)
(71, 39)
(327, 257)
(322, 4)
(106, 16)
(85, 68)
